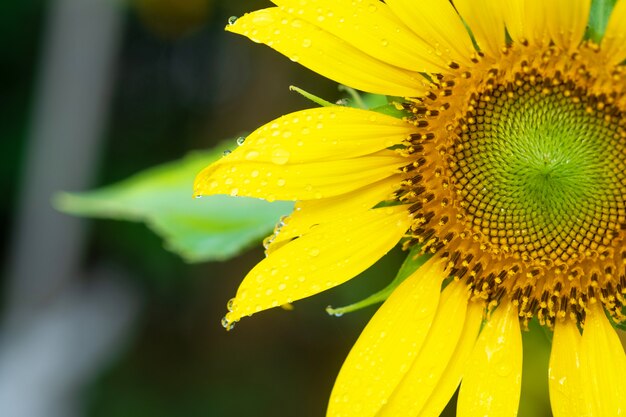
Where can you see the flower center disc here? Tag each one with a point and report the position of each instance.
(523, 190)
(540, 173)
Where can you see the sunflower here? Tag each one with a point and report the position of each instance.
(508, 170)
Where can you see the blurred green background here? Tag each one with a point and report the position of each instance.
(177, 82)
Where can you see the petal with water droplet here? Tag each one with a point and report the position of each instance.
(313, 212)
(372, 28)
(322, 134)
(486, 23)
(299, 181)
(431, 361)
(329, 255)
(388, 345)
(526, 20)
(328, 54)
(566, 391)
(451, 377)
(492, 381)
(437, 23)
(603, 365)
(567, 21)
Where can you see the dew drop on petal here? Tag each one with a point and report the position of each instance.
(281, 182)
(282, 286)
(231, 304)
(280, 156)
(241, 140)
(306, 43)
(252, 155)
(314, 252)
(227, 152)
(232, 20)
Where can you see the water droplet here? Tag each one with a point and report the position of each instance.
(342, 102)
(306, 43)
(234, 192)
(232, 20)
(330, 311)
(280, 156)
(227, 152)
(281, 182)
(241, 140)
(282, 286)
(231, 304)
(294, 58)
(254, 174)
(227, 324)
(314, 251)
(384, 42)
(252, 155)
(269, 292)
(197, 196)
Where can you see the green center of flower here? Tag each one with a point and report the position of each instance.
(540, 170)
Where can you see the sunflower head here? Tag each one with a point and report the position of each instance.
(507, 170)
(517, 179)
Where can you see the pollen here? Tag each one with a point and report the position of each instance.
(517, 177)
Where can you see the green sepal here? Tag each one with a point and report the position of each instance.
(206, 229)
(412, 263)
(598, 19)
(315, 99)
(393, 110)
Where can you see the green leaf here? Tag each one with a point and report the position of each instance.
(206, 229)
(412, 263)
(598, 19)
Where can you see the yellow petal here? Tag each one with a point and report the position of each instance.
(372, 28)
(437, 23)
(431, 362)
(614, 40)
(298, 181)
(525, 20)
(486, 23)
(451, 377)
(567, 21)
(388, 345)
(603, 365)
(492, 381)
(566, 385)
(327, 256)
(313, 212)
(327, 54)
(322, 134)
